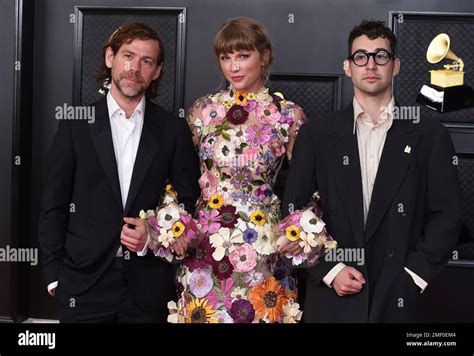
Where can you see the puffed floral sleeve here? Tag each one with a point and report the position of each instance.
(167, 223)
(306, 227)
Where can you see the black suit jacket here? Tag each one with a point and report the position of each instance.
(82, 212)
(413, 220)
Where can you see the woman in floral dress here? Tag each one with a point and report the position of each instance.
(232, 272)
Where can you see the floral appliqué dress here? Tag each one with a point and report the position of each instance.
(232, 273)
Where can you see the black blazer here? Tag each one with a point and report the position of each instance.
(82, 212)
(413, 220)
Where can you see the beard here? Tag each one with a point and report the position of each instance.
(129, 90)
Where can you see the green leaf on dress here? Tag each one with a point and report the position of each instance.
(217, 283)
(209, 163)
(244, 216)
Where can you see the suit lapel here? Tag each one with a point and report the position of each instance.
(346, 164)
(392, 168)
(146, 151)
(104, 146)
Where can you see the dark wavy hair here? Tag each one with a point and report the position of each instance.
(372, 29)
(126, 34)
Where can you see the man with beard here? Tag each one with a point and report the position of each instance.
(100, 176)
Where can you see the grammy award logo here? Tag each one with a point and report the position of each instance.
(447, 91)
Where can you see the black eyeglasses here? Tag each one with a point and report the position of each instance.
(361, 58)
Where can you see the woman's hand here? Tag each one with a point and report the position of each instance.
(180, 246)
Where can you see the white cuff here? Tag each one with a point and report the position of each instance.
(420, 282)
(329, 277)
(145, 248)
(51, 287)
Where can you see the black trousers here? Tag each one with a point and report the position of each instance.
(107, 301)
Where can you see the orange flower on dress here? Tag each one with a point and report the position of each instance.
(268, 299)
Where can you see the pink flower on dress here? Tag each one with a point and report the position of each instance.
(208, 184)
(292, 219)
(258, 135)
(209, 221)
(200, 282)
(244, 258)
(268, 114)
(190, 224)
(277, 147)
(286, 120)
(250, 105)
(213, 114)
(248, 156)
(225, 297)
(153, 223)
(262, 192)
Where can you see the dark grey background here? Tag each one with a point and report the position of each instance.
(315, 43)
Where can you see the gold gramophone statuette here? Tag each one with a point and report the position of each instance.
(452, 74)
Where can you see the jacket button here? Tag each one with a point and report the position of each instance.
(391, 253)
(332, 211)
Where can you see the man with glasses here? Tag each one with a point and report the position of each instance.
(389, 192)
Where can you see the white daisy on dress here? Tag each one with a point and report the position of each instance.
(264, 244)
(311, 223)
(167, 216)
(224, 241)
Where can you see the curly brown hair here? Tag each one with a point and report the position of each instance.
(126, 34)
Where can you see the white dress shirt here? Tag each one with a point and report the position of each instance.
(371, 140)
(126, 133)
